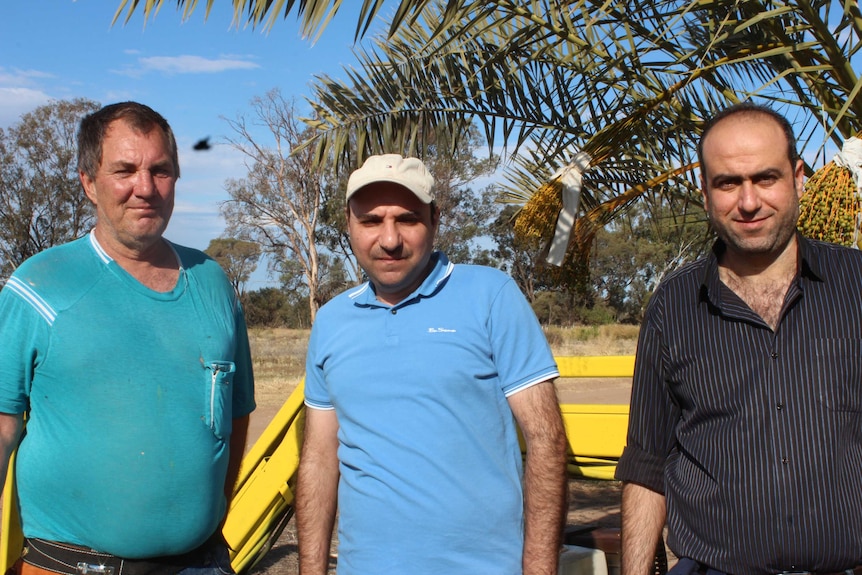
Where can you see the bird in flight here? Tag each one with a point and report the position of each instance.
(202, 144)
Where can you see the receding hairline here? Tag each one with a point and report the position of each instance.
(749, 110)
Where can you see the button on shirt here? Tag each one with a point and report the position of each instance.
(754, 436)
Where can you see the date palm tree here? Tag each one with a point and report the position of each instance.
(601, 100)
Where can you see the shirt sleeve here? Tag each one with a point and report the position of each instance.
(24, 332)
(522, 355)
(652, 415)
(316, 394)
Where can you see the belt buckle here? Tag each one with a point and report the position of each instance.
(90, 569)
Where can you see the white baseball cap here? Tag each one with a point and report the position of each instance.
(410, 173)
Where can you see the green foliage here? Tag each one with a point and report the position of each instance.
(313, 16)
(587, 333)
(594, 315)
(238, 258)
(632, 255)
(550, 308)
(465, 215)
(273, 307)
(41, 200)
(334, 278)
(559, 308)
(517, 257)
(263, 308)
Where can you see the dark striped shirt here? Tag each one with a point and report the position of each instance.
(754, 436)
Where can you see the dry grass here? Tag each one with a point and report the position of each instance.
(279, 362)
(616, 339)
(279, 354)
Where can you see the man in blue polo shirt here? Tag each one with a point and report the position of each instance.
(414, 383)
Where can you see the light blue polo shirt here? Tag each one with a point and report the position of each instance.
(429, 456)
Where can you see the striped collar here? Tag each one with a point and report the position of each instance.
(365, 295)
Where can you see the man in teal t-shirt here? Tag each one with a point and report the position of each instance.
(130, 358)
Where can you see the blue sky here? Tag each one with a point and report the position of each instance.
(194, 73)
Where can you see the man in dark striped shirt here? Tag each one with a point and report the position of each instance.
(745, 434)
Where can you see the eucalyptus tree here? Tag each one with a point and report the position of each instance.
(41, 200)
(238, 258)
(278, 203)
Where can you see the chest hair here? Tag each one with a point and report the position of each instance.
(764, 297)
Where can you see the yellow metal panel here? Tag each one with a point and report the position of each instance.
(596, 433)
(273, 433)
(591, 471)
(264, 494)
(11, 538)
(596, 366)
(596, 430)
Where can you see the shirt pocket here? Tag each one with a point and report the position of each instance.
(218, 403)
(838, 373)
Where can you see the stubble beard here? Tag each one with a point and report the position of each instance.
(773, 243)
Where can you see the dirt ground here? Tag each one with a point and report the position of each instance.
(591, 502)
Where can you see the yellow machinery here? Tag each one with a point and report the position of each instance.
(263, 500)
(596, 433)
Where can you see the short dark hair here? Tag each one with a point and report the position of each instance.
(91, 132)
(750, 109)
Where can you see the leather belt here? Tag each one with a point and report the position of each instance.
(67, 559)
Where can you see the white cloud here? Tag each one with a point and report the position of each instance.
(15, 101)
(17, 77)
(193, 64)
(20, 93)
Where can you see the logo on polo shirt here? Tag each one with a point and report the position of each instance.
(440, 330)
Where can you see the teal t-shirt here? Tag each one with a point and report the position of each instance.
(130, 395)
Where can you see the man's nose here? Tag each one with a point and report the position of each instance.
(749, 199)
(146, 184)
(390, 236)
